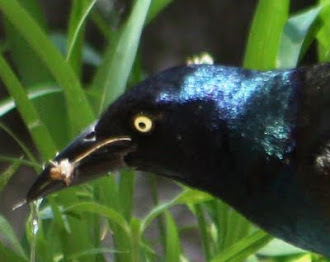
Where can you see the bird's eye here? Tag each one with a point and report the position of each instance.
(143, 123)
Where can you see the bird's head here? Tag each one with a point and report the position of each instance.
(148, 128)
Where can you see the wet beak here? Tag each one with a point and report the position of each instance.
(86, 158)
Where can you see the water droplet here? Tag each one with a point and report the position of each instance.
(34, 206)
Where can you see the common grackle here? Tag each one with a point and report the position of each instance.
(258, 140)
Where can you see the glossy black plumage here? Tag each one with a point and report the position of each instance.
(257, 140)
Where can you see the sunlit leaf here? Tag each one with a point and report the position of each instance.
(294, 36)
(323, 35)
(265, 33)
(243, 248)
(112, 76)
(277, 247)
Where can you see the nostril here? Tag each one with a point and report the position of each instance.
(90, 136)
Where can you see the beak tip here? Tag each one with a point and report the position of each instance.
(42, 186)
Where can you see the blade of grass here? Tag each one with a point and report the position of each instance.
(111, 78)
(101, 24)
(20, 52)
(53, 113)
(22, 145)
(72, 237)
(310, 258)
(243, 248)
(8, 173)
(9, 236)
(9, 104)
(136, 242)
(34, 165)
(278, 247)
(37, 129)
(79, 13)
(8, 255)
(78, 224)
(155, 199)
(323, 54)
(173, 247)
(324, 32)
(294, 36)
(108, 194)
(126, 191)
(102, 210)
(188, 196)
(77, 103)
(192, 196)
(265, 34)
(203, 229)
(236, 227)
(220, 219)
(93, 251)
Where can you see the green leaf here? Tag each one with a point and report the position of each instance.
(9, 104)
(192, 196)
(8, 235)
(308, 258)
(8, 255)
(278, 247)
(93, 252)
(294, 36)
(107, 192)
(203, 229)
(323, 35)
(243, 248)
(37, 129)
(112, 76)
(20, 52)
(135, 238)
(156, 211)
(77, 103)
(72, 231)
(22, 145)
(237, 227)
(23, 162)
(101, 210)
(265, 34)
(188, 196)
(53, 113)
(126, 191)
(173, 248)
(7, 174)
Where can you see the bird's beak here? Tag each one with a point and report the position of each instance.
(86, 158)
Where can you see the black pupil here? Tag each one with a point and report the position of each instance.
(142, 125)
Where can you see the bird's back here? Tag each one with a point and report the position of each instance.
(289, 175)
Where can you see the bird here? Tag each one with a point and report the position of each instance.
(258, 140)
